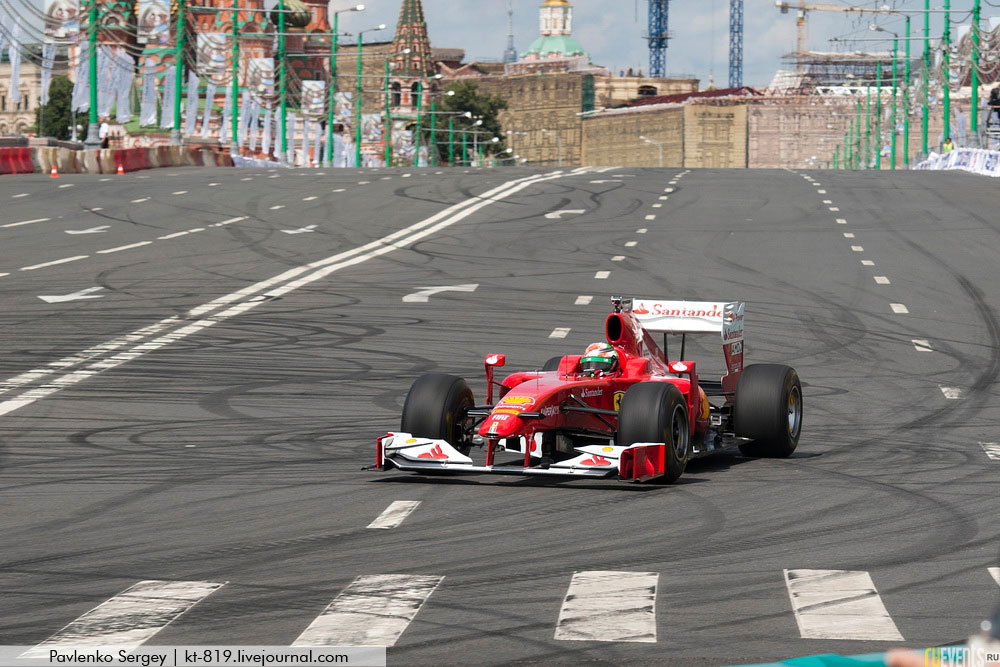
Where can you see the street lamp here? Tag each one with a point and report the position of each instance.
(331, 101)
(558, 143)
(357, 102)
(658, 144)
(895, 86)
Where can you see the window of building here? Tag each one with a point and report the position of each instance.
(647, 91)
(397, 94)
(415, 94)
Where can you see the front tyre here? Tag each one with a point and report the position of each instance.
(768, 410)
(657, 412)
(436, 407)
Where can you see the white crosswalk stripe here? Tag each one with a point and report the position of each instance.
(373, 611)
(609, 606)
(394, 515)
(995, 573)
(839, 604)
(131, 617)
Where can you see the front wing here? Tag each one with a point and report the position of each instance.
(637, 462)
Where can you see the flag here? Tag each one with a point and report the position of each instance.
(317, 144)
(241, 126)
(125, 79)
(254, 117)
(209, 102)
(105, 80)
(14, 57)
(48, 57)
(167, 107)
(266, 140)
(306, 125)
(147, 108)
(290, 157)
(191, 119)
(227, 110)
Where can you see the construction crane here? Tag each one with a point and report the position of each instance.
(802, 12)
(657, 35)
(510, 53)
(735, 43)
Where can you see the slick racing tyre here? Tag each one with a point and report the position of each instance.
(436, 408)
(657, 412)
(552, 364)
(768, 410)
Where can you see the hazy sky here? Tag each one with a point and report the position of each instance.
(611, 30)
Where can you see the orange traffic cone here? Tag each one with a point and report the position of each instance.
(54, 173)
(121, 170)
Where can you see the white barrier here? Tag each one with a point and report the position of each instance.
(976, 160)
(251, 162)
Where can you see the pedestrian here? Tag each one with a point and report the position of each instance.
(104, 133)
(948, 146)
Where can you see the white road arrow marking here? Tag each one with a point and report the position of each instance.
(556, 215)
(75, 296)
(91, 230)
(607, 181)
(301, 230)
(424, 295)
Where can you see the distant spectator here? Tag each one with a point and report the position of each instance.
(629, 73)
(104, 133)
(948, 146)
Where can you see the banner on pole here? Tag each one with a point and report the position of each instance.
(313, 98)
(147, 106)
(227, 110)
(154, 22)
(126, 73)
(343, 110)
(191, 117)
(265, 144)
(167, 107)
(206, 120)
(48, 58)
(14, 58)
(211, 59)
(81, 87)
(61, 19)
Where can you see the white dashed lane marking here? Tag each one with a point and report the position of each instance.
(140, 200)
(609, 606)
(53, 263)
(25, 222)
(277, 206)
(657, 205)
(123, 247)
(899, 308)
(858, 248)
(602, 275)
(867, 262)
(841, 221)
(881, 280)
(308, 198)
(171, 236)
(65, 185)
(23, 194)
(642, 230)
(848, 235)
(650, 217)
(631, 244)
(394, 515)
(827, 201)
(618, 258)
(821, 192)
(834, 208)
(583, 300)
(559, 332)
(180, 192)
(922, 345)
(951, 393)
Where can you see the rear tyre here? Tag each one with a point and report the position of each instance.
(768, 410)
(436, 407)
(657, 412)
(552, 364)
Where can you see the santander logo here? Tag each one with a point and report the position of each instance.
(595, 460)
(640, 311)
(435, 453)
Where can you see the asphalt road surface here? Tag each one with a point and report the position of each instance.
(195, 364)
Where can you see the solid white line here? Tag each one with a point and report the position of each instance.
(951, 393)
(130, 618)
(882, 280)
(58, 261)
(992, 450)
(373, 611)
(407, 175)
(650, 217)
(609, 606)
(394, 514)
(848, 235)
(867, 262)
(583, 300)
(899, 308)
(641, 231)
(834, 208)
(631, 244)
(276, 286)
(230, 221)
(65, 185)
(839, 604)
(196, 230)
(171, 236)
(841, 221)
(922, 345)
(857, 248)
(602, 275)
(123, 247)
(559, 332)
(995, 571)
(26, 222)
(618, 258)
(139, 201)
(23, 194)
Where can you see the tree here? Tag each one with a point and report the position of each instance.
(479, 106)
(54, 119)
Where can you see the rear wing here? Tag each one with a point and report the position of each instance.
(694, 317)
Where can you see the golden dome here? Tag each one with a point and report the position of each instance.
(555, 3)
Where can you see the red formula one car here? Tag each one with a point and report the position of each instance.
(629, 411)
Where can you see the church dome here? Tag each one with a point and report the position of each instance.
(554, 47)
(297, 14)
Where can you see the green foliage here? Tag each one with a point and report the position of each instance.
(54, 119)
(468, 99)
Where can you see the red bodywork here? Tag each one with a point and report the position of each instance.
(530, 403)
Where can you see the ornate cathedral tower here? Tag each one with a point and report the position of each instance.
(555, 22)
(411, 57)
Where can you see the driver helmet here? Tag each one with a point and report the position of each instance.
(599, 357)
